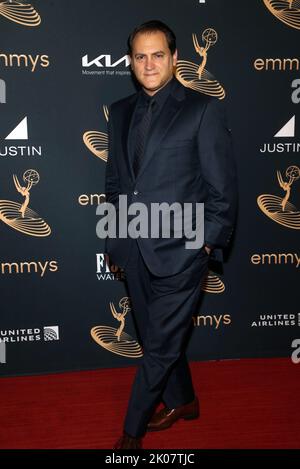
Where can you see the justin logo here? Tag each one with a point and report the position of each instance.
(212, 284)
(280, 209)
(20, 132)
(288, 130)
(19, 216)
(97, 142)
(283, 143)
(20, 12)
(116, 340)
(196, 76)
(287, 11)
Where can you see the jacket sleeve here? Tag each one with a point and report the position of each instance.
(112, 182)
(219, 174)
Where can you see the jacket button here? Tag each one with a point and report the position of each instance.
(135, 192)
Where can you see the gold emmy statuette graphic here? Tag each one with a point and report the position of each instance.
(97, 142)
(287, 11)
(280, 209)
(21, 217)
(116, 340)
(212, 284)
(196, 76)
(20, 12)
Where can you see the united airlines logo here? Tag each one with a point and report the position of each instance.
(20, 12)
(51, 333)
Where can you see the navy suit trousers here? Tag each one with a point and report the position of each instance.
(162, 309)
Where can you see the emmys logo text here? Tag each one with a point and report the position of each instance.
(27, 61)
(276, 65)
(41, 268)
(280, 258)
(214, 321)
(91, 199)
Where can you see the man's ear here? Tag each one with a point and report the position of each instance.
(175, 57)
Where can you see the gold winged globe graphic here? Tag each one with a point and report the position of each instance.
(279, 209)
(287, 11)
(196, 76)
(19, 216)
(117, 340)
(20, 12)
(97, 142)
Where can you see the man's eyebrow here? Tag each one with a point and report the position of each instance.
(152, 53)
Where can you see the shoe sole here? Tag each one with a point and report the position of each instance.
(186, 417)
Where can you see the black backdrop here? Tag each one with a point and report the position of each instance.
(59, 67)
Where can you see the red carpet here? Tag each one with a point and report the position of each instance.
(244, 404)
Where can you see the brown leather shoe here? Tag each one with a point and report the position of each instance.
(128, 442)
(165, 418)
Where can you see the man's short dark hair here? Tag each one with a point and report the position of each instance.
(151, 27)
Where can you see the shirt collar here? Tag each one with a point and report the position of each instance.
(161, 95)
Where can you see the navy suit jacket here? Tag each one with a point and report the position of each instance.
(188, 158)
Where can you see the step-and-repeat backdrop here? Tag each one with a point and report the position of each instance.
(64, 306)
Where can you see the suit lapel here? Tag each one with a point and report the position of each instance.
(128, 120)
(164, 121)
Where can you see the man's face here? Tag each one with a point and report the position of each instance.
(152, 61)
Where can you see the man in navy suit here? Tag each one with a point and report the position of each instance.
(167, 143)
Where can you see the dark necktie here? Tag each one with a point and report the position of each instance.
(141, 137)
